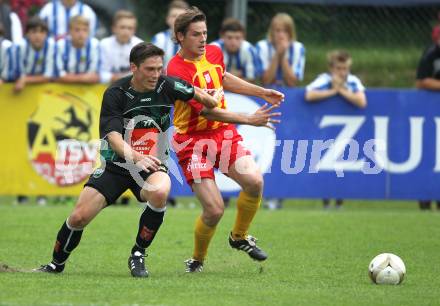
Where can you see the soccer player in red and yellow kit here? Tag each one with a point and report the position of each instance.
(202, 144)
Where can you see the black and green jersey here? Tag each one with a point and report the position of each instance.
(142, 118)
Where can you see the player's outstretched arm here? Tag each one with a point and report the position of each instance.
(262, 117)
(145, 162)
(208, 99)
(236, 85)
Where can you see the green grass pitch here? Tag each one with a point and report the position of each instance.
(316, 257)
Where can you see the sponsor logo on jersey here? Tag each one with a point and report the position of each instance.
(195, 164)
(207, 77)
(98, 172)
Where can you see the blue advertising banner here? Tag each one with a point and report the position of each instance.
(389, 150)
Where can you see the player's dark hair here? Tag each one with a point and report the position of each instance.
(231, 25)
(2, 30)
(142, 51)
(183, 21)
(36, 23)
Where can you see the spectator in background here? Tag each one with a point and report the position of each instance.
(12, 29)
(115, 50)
(239, 55)
(282, 57)
(428, 71)
(338, 81)
(35, 55)
(282, 61)
(164, 39)
(428, 77)
(78, 55)
(6, 57)
(57, 14)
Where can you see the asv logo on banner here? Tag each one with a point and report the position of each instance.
(60, 138)
(259, 140)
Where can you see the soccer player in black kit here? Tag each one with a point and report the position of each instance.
(134, 119)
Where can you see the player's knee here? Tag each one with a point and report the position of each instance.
(213, 215)
(254, 185)
(159, 197)
(78, 219)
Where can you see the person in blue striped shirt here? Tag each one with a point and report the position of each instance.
(282, 56)
(35, 55)
(239, 55)
(78, 55)
(282, 60)
(337, 81)
(6, 57)
(57, 14)
(164, 39)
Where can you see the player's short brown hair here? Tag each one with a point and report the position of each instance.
(121, 14)
(79, 20)
(142, 51)
(338, 56)
(231, 25)
(191, 15)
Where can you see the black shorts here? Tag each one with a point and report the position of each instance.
(112, 184)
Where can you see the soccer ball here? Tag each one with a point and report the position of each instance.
(387, 269)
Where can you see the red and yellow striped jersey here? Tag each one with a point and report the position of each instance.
(208, 73)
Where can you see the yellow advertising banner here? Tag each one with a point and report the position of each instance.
(49, 138)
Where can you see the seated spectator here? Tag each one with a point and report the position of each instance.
(338, 81)
(57, 14)
(164, 39)
(282, 60)
(428, 77)
(35, 55)
(115, 50)
(77, 56)
(12, 29)
(6, 57)
(282, 57)
(239, 55)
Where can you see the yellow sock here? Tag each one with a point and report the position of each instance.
(202, 236)
(247, 207)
